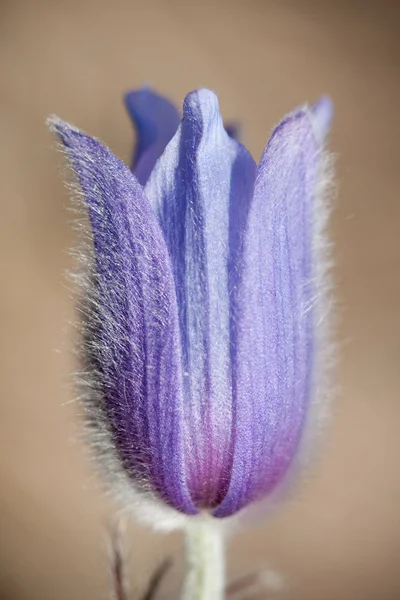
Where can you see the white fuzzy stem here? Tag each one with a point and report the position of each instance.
(205, 571)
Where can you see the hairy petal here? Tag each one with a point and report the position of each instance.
(199, 185)
(156, 120)
(272, 318)
(132, 334)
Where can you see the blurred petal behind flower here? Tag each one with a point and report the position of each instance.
(156, 121)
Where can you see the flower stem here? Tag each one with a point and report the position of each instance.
(205, 574)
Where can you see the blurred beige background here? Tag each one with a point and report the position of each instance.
(339, 536)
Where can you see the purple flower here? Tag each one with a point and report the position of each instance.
(202, 323)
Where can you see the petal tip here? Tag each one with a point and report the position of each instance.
(322, 115)
(202, 102)
(319, 115)
(55, 124)
(295, 124)
(65, 131)
(133, 97)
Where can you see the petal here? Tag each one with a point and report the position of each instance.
(322, 115)
(233, 130)
(200, 185)
(156, 120)
(132, 334)
(273, 315)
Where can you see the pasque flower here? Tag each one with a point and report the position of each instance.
(202, 329)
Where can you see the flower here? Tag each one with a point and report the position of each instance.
(205, 300)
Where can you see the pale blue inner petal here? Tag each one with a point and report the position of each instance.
(201, 176)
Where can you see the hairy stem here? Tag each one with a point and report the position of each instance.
(205, 571)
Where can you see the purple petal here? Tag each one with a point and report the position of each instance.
(201, 188)
(156, 120)
(322, 115)
(233, 130)
(132, 333)
(272, 325)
